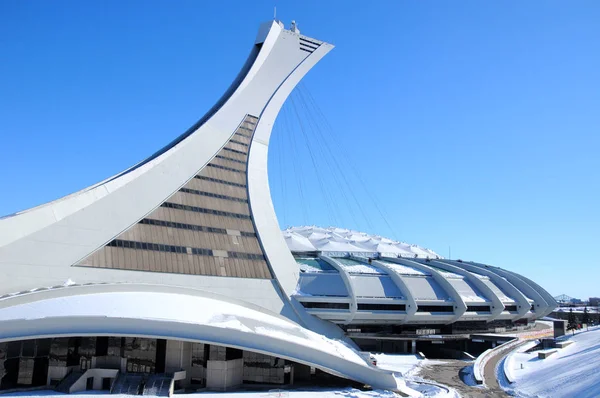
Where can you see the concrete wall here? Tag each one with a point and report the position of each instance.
(224, 375)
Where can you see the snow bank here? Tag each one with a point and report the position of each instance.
(509, 364)
(402, 364)
(571, 372)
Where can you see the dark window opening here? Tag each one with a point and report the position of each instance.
(435, 308)
(331, 306)
(381, 307)
(478, 308)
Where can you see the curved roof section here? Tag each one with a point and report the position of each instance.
(338, 240)
(160, 312)
(410, 275)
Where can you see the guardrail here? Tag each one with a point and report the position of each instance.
(538, 334)
(481, 361)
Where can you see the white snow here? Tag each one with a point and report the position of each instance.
(408, 367)
(578, 310)
(403, 269)
(397, 363)
(571, 372)
(356, 267)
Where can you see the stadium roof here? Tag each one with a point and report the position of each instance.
(339, 240)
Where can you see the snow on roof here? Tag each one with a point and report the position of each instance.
(403, 269)
(357, 267)
(314, 265)
(340, 240)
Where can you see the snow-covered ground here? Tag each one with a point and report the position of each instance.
(406, 365)
(578, 310)
(571, 372)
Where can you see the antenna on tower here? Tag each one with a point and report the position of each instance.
(275, 13)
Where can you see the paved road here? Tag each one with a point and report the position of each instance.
(452, 372)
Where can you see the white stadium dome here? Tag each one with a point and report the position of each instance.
(340, 240)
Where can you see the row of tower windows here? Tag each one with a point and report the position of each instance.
(191, 227)
(233, 184)
(238, 142)
(203, 210)
(218, 166)
(212, 195)
(247, 129)
(128, 244)
(234, 151)
(230, 159)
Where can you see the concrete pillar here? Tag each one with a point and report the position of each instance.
(413, 346)
(405, 346)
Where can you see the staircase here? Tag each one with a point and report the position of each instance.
(65, 384)
(158, 385)
(129, 384)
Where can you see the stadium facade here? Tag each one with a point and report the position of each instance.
(174, 274)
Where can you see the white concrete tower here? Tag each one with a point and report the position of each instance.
(184, 245)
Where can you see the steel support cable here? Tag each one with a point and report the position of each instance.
(330, 168)
(296, 165)
(313, 128)
(384, 215)
(326, 198)
(373, 198)
(344, 178)
(337, 180)
(340, 177)
(335, 158)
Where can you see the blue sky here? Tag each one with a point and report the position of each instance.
(465, 124)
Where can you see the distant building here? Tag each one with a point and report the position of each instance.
(594, 301)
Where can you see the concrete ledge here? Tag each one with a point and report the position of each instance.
(563, 344)
(546, 353)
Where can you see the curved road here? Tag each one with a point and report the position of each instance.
(452, 373)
